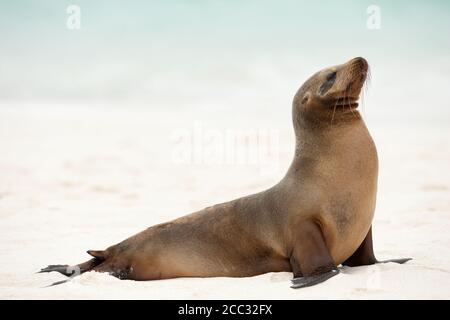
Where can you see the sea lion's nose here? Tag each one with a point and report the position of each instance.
(359, 62)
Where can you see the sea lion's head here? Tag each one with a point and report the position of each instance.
(331, 94)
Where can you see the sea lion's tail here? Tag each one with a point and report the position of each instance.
(74, 271)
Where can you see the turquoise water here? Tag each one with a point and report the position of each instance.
(142, 50)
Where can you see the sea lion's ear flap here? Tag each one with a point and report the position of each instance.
(306, 98)
(99, 254)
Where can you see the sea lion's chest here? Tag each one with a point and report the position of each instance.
(346, 222)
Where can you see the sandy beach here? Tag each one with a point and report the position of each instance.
(79, 178)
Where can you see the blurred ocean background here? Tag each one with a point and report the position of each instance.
(223, 55)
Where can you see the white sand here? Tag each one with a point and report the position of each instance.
(76, 178)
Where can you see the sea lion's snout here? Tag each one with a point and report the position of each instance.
(360, 64)
(344, 81)
(354, 75)
(356, 70)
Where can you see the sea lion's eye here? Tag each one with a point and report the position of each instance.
(331, 77)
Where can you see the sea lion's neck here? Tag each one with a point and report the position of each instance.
(307, 127)
(321, 141)
(316, 122)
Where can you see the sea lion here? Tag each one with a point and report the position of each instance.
(317, 217)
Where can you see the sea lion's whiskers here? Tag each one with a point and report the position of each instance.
(345, 100)
(362, 99)
(334, 111)
(365, 90)
(349, 104)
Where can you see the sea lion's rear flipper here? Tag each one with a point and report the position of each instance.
(72, 271)
(61, 268)
(99, 254)
(364, 255)
(311, 261)
(58, 282)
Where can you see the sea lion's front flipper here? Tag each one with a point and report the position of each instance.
(311, 261)
(303, 282)
(364, 255)
(400, 261)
